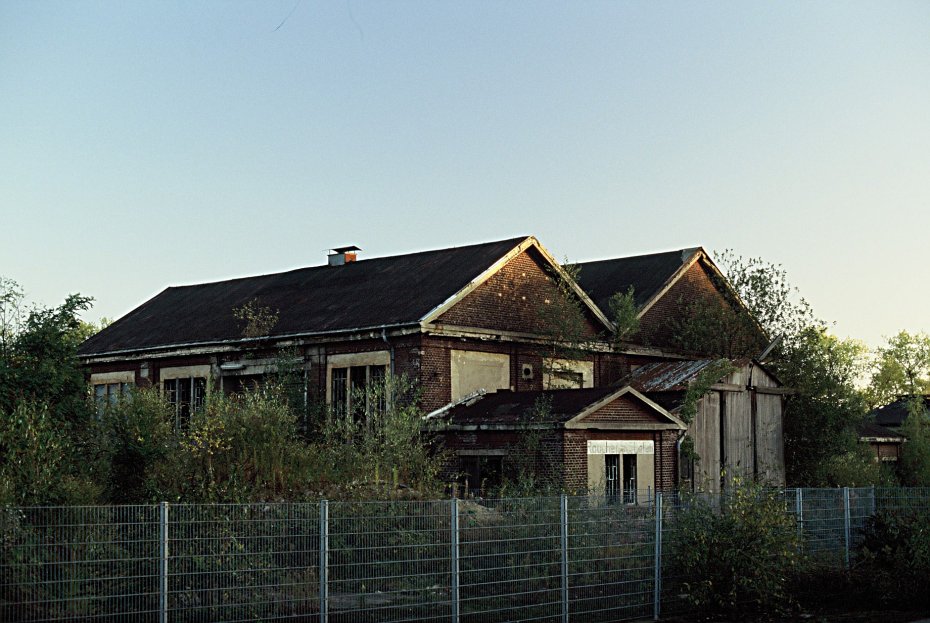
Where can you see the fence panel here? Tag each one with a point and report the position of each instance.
(389, 561)
(242, 562)
(824, 527)
(510, 560)
(81, 562)
(611, 547)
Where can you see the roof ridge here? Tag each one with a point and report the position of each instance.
(362, 261)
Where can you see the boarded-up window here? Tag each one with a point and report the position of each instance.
(472, 371)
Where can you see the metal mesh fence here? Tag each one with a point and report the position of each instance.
(532, 559)
(67, 563)
(389, 561)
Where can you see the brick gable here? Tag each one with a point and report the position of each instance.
(510, 299)
(624, 410)
(658, 324)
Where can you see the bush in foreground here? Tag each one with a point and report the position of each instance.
(736, 555)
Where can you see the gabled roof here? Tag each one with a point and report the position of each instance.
(869, 431)
(648, 275)
(562, 407)
(389, 292)
(895, 413)
(367, 294)
(506, 407)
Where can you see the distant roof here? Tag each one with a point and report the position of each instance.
(645, 273)
(506, 407)
(366, 294)
(869, 430)
(894, 414)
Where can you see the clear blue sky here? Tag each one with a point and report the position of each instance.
(152, 144)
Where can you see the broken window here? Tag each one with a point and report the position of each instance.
(481, 474)
(186, 396)
(107, 394)
(358, 391)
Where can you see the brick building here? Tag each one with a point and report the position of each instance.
(458, 321)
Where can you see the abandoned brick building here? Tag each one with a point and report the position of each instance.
(465, 324)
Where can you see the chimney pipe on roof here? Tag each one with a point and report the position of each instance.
(342, 255)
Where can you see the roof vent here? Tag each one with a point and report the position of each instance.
(342, 255)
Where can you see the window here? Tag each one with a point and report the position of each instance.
(567, 374)
(106, 394)
(358, 390)
(186, 395)
(481, 473)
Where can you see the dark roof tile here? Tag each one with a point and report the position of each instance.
(359, 295)
(506, 407)
(645, 273)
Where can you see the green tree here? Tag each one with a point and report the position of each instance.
(737, 556)
(822, 414)
(901, 368)
(562, 323)
(914, 465)
(39, 463)
(624, 316)
(38, 355)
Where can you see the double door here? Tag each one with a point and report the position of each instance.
(620, 476)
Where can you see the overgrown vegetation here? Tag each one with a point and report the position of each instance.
(562, 323)
(257, 320)
(739, 556)
(893, 559)
(822, 415)
(253, 446)
(624, 314)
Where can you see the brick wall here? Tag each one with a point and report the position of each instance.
(666, 460)
(510, 299)
(575, 459)
(576, 456)
(656, 326)
(435, 367)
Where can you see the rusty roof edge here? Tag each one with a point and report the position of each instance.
(268, 338)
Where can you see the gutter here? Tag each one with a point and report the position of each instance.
(390, 348)
(233, 342)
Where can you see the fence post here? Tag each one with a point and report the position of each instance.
(163, 562)
(657, 582)
(799, 513)
(454, 529)
(563, 525)
(872, 505)
(846, 524)
(324, 561)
